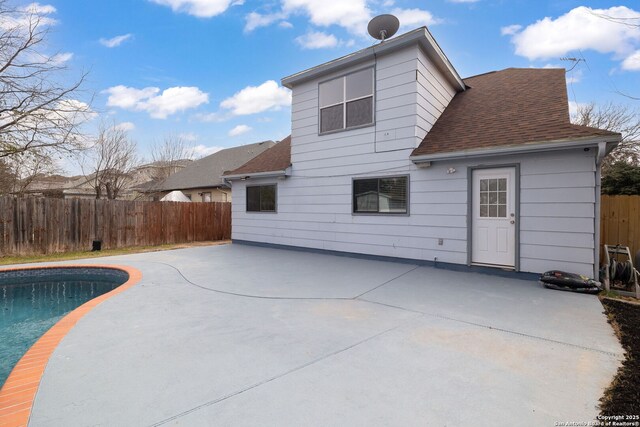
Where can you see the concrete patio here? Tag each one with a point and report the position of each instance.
(240, 335)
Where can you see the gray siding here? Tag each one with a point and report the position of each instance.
(314, 204)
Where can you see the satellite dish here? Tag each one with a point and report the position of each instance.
(383, 26)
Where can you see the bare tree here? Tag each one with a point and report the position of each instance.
(27, 168)
(7, 178)
(616, 118)
(38, 110)
(110, 162)
(169, 155)
(632, 22)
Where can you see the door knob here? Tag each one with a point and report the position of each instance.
(512, 221)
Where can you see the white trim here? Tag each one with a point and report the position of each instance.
(269, 174)
(518, 149)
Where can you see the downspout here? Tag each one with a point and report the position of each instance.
(601, 153)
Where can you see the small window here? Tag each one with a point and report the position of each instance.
(347, 102)
(261, 198)
(380, 195)
(206, 197)
(493, 198)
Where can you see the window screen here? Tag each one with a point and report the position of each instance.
(359, 112)
(347, 102)
(332, 92)
(380, 195)
(331, 118)
(359, 84)
(261, 198)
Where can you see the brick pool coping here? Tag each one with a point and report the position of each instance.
(19, 391)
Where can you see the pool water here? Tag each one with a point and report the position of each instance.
(32, 301)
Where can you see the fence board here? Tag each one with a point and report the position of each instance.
(40, 225)
(620, 221)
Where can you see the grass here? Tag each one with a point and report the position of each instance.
(623, 395)
(65, 256)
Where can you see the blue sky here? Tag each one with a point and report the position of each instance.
(210, 70)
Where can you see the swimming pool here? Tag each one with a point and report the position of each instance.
(33, 300)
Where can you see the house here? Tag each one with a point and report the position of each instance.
(84, 186)
(484, 171)
(201, 181)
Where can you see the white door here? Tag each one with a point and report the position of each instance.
(493, 217)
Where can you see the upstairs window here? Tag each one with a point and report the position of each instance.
(347, 102)
(261, 198)
(380, 195)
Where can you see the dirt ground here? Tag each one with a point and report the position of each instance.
(623, 396)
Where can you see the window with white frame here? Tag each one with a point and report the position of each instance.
(347, 102)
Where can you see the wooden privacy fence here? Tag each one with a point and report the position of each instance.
(620, 221)
(42, 225)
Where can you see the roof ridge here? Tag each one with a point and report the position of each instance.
(481, 74)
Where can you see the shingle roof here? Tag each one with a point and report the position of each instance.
(276, 158)
(506, 108)
(207, 171)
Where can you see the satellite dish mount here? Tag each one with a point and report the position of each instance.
(383, 27)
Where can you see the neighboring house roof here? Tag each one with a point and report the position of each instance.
(47, 183)
(506, 108)
(275, 159)
(207, 172)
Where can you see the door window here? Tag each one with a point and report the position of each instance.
(493, 198)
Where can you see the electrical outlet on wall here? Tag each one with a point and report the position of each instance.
(440, 242)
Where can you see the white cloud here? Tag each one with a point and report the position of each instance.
(39, 9)
(202, 150)
(239, 130)
(350, 14)
(353, 15)
(317, 40)
(61, 58)
(574, 76)
(173, 100)
(575, 106)
(73, 111)
(125, 126)
(188, 136)
(115, 41)
(128, 97)
(581, 28)
(257, 99)
(414, 17)
(256, 20)
(158, 105)
(632, 62)
(216, 117)
(510, 30)
(24, 16)
(199, 8)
